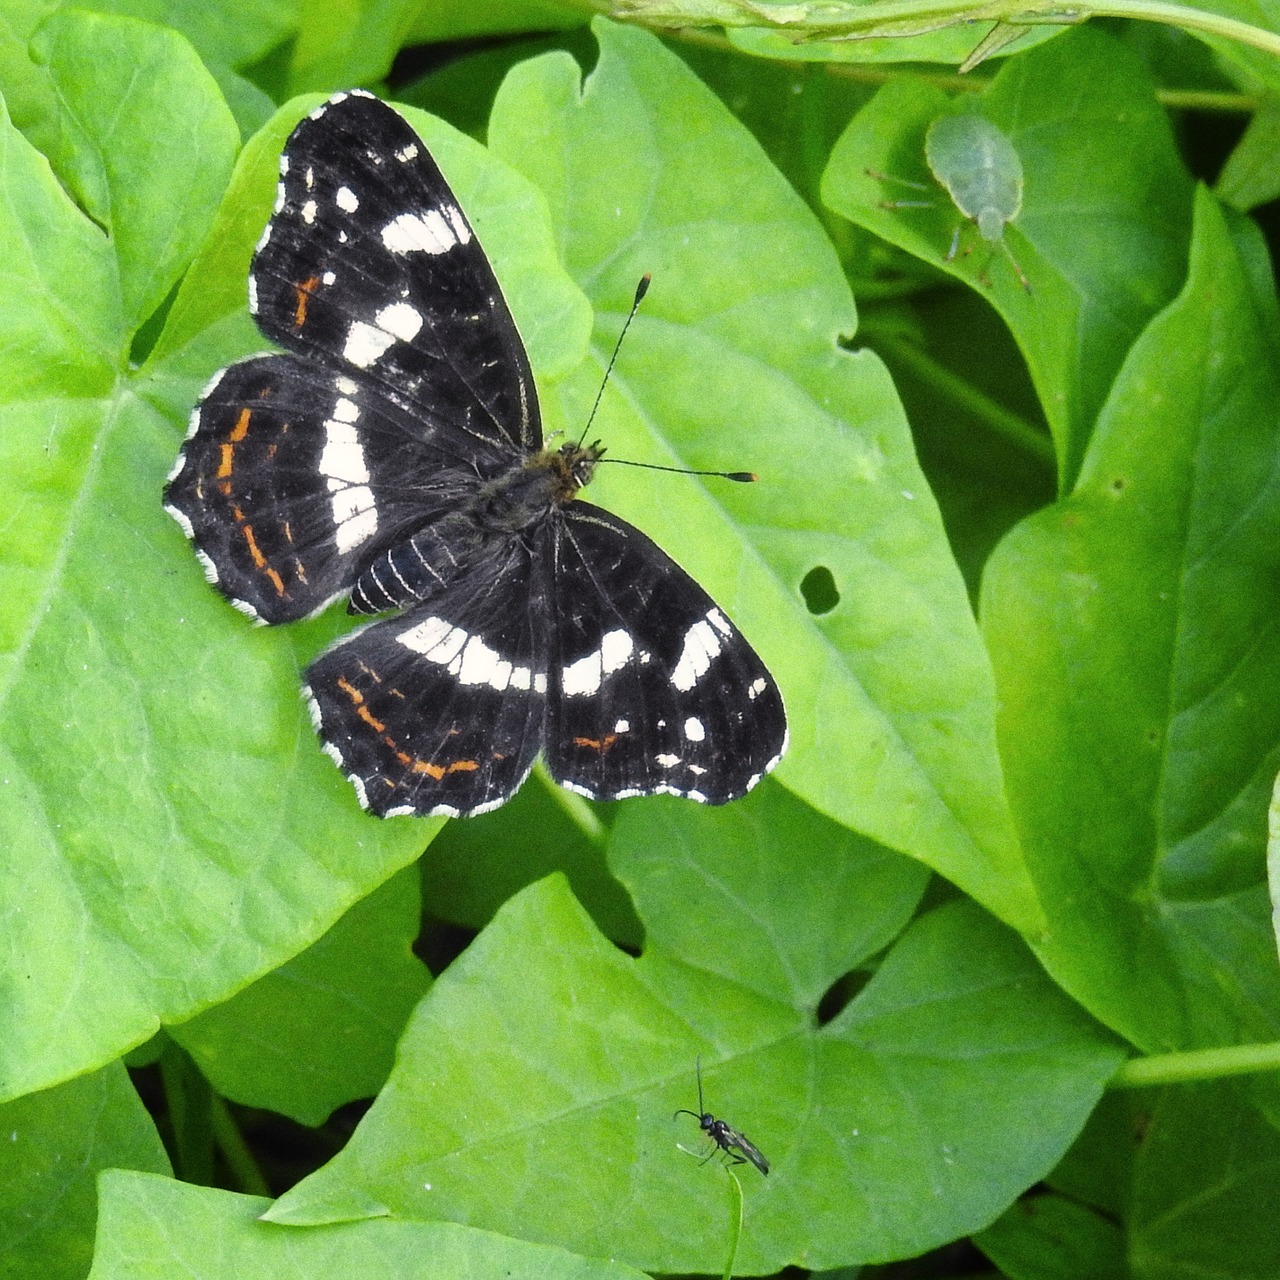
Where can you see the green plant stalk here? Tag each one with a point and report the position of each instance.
(1008, 426)
(1196, 1064)
(735, 1221)
(805, 22)
(236, 1152)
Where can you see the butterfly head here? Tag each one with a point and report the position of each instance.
(573, 465)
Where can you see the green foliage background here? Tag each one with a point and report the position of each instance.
(1014, 560)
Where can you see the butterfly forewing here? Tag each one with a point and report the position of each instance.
(293, 476)
(654, 689)
(370, 264)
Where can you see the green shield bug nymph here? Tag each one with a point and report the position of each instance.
(980, 170)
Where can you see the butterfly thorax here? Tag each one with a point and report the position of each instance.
(525, 494)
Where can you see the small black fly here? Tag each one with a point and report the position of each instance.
(734, 1144)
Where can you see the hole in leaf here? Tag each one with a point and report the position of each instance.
(819, 590)
(839, 993)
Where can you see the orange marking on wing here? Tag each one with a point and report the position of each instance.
(241, 429)
(350, 690)
(260, 560)
(438, 771)
(597, 744)
(227, 454)
(303, 291)
(370, 719)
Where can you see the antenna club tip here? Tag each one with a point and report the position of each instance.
(742, 477)
(643, 287)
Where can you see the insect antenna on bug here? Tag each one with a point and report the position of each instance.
(741, 477)
(736, 1146)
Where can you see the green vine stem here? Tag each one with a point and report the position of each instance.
(735, 1221)
(1196, 1064)
(824, 20)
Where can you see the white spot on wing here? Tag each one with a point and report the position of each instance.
(343, 457)
(667, 761)
(429, 639)
(356, 515)
(483, 665)
(405, 154)
(365, 343)
(436, 231)
(758, 686)
(400, 319)
(623, 726)
(347, 200)
(342, 462)
(694, 730)
(587, 674)
(701, 645)
(308, 212)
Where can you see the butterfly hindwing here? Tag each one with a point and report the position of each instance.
(440, 710)
(653, 689)
(370, 264)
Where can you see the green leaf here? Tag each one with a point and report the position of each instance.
(746, 893)
(321, 1030)
(53, 1144)
(544, 1058)
(1251, 175)
(134, 179)
(734, 360)
(1135, 649)
(173, 830)
(1048, 1237)
(1104, 223)
(156, 1229)
(1203, 1201)
(543, 829)
(231, 32)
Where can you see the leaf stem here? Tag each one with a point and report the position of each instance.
(735, 1221)
(1196, 1064)
(1230, 103)
(820, 20)
(1001, 421)
(236, 1152)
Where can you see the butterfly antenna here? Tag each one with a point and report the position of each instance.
(697, 1066)
(742, 477)
(641, 289)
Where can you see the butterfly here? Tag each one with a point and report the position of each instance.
(392, 454)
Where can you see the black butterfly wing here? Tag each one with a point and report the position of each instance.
(652, 688)
(293, 477)
(406, 384)
(440, 710)
(369, 265)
